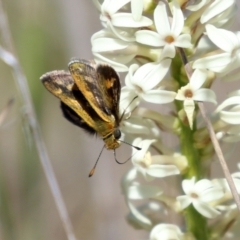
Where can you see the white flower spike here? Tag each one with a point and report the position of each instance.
(153, 51)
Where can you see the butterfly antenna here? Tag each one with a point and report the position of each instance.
(138, 148)
(117, 160)
(126, 108)
(95, 165)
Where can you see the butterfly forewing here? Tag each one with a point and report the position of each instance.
(87, 80)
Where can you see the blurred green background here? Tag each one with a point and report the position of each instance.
(46, 35)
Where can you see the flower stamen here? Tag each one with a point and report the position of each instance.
(188, 93)
(194, 195)
(169, 39)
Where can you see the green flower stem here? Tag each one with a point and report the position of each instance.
(195, 222)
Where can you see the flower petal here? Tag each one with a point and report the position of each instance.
(165, 232)
(216, 8)
(101, 34)
(225, 40)
(129, 79)
(197, 6)
(230, 117)
(161, 19)
(184, 41)
(159, 96)
(198, 77)
(151, 74)
(138, 155)
(228, 102)
(178, 19)
(139, 216)
(219, 61)
(212, 194)
(107, 44)
(137, 9)
(149, 38)
(127, 95)
(168, 51)
(143, 192)
(206, 210)
(184, 201)
(157, 170)
(205, 95)
(123, 35)
(189, 107)
(188, 185)
(111, 6)
(117, 66)
(126, 20)
(202, 185)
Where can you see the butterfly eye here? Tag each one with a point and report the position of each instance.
(117, 133)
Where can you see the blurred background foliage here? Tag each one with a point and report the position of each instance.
(46, 35)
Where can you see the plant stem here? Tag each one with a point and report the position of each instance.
(195, 222)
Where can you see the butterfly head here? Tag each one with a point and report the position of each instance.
(112, 140)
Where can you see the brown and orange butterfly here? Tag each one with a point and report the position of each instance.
(89, 97)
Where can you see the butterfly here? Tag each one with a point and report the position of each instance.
(89, 96)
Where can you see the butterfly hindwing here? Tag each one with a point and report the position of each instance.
(109, 79)
(74, 118)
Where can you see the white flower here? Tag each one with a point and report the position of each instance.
(139, 125)
(232, 116)
(229, 43)
(230, 221)
(109, 14)
(167, 36)
(158, 165)
(193, 6)
(218, 12)
(222, 182)
(229, 113)
(233, 134)
(200, 194)
(128, 101)
(108, 48)
(140, 216)
(192, 92)
(166, 232)
(142, 82)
